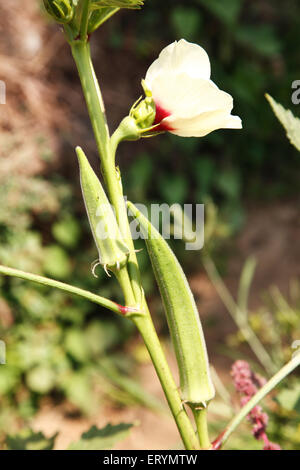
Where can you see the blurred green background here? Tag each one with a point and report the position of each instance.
(62, 349)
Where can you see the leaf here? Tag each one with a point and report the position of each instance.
(261, 39)
(290, 398)
(288, 120)
(226, 10)
(56, 262)
(30, 440)
(186, 22)
(67, 231)
(41, 379)
(98, 17)
(101, 439)
(173, 189)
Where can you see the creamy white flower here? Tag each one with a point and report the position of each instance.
(187, 102)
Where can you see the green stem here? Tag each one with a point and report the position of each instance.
(146, 328)
(149, 335)
(114, 307)
(200, 415)
(128, 277)
(237, 315)
(272, 383)
(93, 97)
(84, 19)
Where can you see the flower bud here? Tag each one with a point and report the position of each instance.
(140, 121)
(61, 10)
(143, 113)
(113, 252)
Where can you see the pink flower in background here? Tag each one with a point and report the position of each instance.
(187, 102)
(247, 384)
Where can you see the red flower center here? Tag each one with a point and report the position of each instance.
(161, 114)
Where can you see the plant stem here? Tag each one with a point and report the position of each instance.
(114, 307)
(272, 383)
(200, 415)
(146, 328)
(84, 19)
(93, 97)
(128, 276)
(237, 315)
(149, 335)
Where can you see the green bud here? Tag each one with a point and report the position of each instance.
(143, 113)
(140, 121)
(61, 10)
(113, 253)
(131, 4)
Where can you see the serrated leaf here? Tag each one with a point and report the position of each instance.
(101, 439)
(30, 440)
(290, 122)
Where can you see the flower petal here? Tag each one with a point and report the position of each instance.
(180, 57)
(186, 97)
(203, 124)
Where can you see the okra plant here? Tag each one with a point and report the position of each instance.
(178, 96)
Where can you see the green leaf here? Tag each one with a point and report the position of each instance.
(186, 22)
(226, 10)
(76, 345)
(290, 398)
(261, 39)
(78, 389)
(290, 122)
(173, 189)
(102, 439)
(30, 440)
(41, 379)
(67, 231)
(99, 16)
(56, 262)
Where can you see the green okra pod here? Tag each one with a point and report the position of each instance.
(113, 252)
(182, 316)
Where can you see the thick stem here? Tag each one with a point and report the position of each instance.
(200, 415)
(148, 333)
(128, 276)
(146, 328)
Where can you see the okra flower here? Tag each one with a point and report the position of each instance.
(187, 102)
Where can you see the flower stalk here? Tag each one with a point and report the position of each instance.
(128, 276)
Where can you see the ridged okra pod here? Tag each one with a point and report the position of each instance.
(113, 252)
(182, 316)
